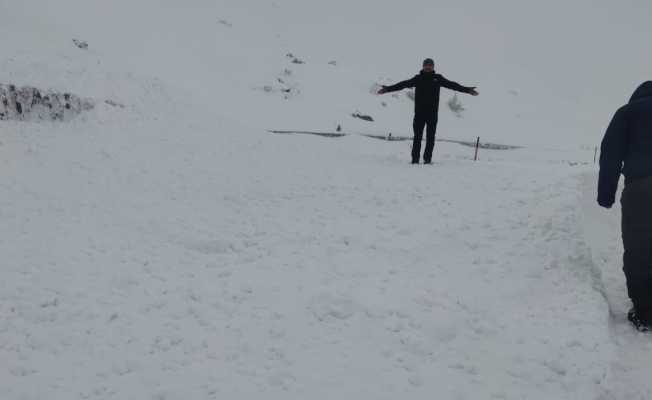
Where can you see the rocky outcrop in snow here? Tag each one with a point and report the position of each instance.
(32, 104)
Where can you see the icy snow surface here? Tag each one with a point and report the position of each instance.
(164, 245)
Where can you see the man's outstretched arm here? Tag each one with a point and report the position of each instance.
(457, 87)
(410, 83)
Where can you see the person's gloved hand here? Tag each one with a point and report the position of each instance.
(606, 202)
(383, 90)
(473, 92)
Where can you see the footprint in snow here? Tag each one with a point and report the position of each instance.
(327, 307)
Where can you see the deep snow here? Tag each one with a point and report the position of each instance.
(170, 247)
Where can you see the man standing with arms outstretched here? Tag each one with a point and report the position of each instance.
(427, 85)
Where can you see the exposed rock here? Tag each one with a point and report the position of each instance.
(113, 103)
(295, 60)
(32, 104)
(362, 117)
(456, 106)
(81, 44)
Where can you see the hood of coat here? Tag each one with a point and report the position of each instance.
(643, 91)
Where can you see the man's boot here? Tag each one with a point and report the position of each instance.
(641, 319)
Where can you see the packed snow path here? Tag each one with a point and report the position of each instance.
(173, 266)
(631, 368)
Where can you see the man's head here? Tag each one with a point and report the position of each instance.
(428, 65)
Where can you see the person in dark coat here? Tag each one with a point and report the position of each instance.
(427, 85)
(627, 150)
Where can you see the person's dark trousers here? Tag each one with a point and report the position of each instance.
(637, 240)
(421, 121)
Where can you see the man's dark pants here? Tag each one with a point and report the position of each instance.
(422, 120)
(637, 240)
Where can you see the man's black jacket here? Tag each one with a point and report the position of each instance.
(428, 85)
(627, 145)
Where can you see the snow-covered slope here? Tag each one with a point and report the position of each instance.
(548, 72)
(163, 245)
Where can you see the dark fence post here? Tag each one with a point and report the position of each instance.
(595, 155)
(477, 146)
